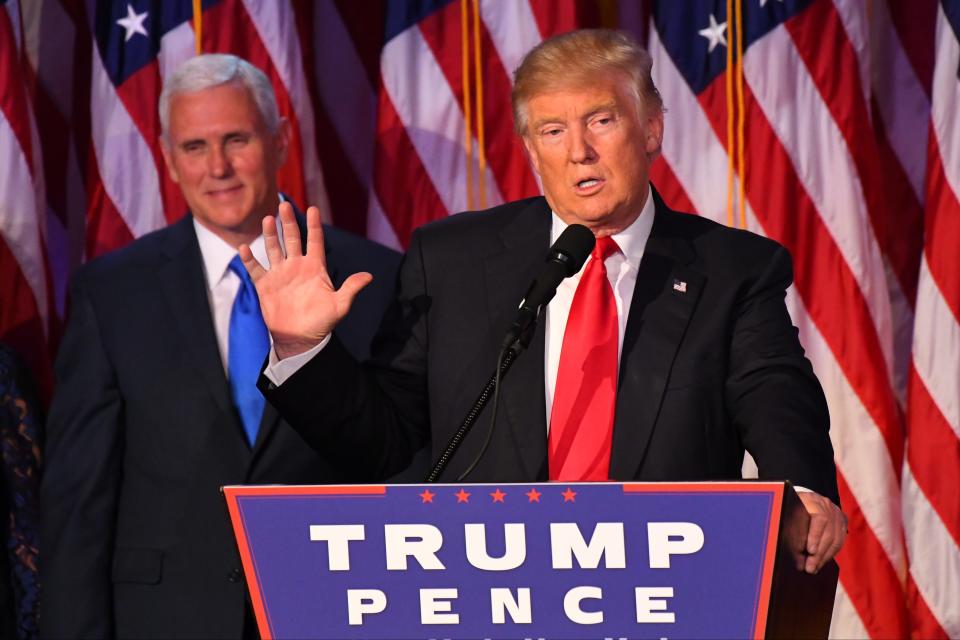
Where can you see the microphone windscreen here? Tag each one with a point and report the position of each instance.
(576, 242)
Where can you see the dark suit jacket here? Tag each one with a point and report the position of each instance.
(136, 540)
(705, 372)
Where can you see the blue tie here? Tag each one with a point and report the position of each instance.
(249, 343)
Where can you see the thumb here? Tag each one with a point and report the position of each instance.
(352, 286)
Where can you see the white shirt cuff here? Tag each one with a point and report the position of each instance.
(279, 371)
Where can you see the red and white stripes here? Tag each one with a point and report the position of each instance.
(815, 182)
(931, 475)
(26, 305)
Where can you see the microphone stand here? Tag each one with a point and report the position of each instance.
(517, 347)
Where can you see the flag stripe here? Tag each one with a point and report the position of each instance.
(912, 20)
(843, 243)
(845, 622)
(230, 29)
(823, 165)
(934, 558)
(399, 177)
(821, 26)
(513, 32)
(870, 460)
(431, 114)
(864, 455)
(943, 226)
(139, 95)
(345, 120)
(119, 146)
(879, 599)
(504, 150)
(934, 455)
(554, 16)
(13, 96)
(923, 624)
(277, 33)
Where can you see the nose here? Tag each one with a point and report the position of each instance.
(218, 164)
(581, 150)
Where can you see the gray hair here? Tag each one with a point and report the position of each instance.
(212, 70)
(575, 59)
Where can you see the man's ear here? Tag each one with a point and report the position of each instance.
(654, 134)
(532, 152)
(281, 140)
(168, 159)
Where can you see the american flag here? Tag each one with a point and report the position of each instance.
(806, 121)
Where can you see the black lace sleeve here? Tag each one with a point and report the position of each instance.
(20, 455)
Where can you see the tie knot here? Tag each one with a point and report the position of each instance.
(605, 247)
(236, 265)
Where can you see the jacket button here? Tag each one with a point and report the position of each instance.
(235, 575)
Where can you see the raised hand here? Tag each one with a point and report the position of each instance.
(299, 302)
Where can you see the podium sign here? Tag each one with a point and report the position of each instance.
(598, 560)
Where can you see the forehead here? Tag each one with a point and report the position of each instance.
(561, 102)
(223, 108)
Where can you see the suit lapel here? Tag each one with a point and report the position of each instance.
(182, 283)
(664, 298)
(525, 243)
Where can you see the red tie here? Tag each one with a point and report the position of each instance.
(581, 421)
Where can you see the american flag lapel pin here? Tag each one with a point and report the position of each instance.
(680, 285)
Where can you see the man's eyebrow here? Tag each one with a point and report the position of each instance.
(547, 120)
(190, 142)
(606, 106)
(592, 111)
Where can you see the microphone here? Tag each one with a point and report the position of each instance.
(564, 259)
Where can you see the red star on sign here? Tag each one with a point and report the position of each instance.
(569, 495)
(462, 496)
(427, 496)
(533, 495)
(498, 495)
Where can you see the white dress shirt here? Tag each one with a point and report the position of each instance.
(222, 283)
(621, 271)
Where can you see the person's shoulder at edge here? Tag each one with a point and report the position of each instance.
(717, 243)
(469, 231)
(129, 260)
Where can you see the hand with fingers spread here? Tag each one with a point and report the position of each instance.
(300, 305)
(828, 530)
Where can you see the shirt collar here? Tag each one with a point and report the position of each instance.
(632, 240)
(217, 253)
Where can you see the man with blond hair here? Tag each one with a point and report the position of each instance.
(663, 359)
(156, 406)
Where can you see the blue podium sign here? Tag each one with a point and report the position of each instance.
(597, 560)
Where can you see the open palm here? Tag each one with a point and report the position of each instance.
(299, 302)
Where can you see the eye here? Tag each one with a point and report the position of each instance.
(192, 147)
(238, 140)
(552, 132)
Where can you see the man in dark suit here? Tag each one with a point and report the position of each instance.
(663, 359)
(151, 414)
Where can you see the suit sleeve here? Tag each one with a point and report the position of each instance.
(80, 485)
(774, 398)
(371, 418)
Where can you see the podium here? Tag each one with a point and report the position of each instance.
(591, 560)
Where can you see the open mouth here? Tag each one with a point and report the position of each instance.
(588, 185)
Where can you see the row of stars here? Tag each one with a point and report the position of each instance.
(714, 32)
(463, 496)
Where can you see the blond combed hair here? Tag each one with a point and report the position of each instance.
(575, 60)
